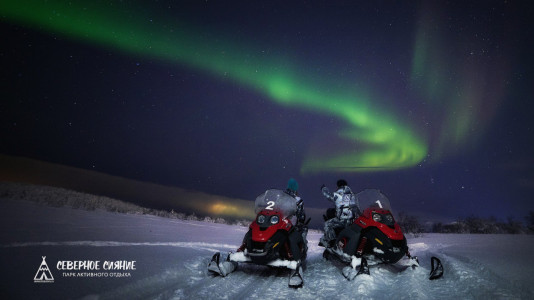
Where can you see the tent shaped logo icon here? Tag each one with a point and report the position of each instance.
(43, 273)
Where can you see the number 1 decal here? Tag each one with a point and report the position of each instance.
(270, 205)
(379, 204)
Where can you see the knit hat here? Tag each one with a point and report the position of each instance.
(292, 185)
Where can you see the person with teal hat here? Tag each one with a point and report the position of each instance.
(292, 186)
(292, 190)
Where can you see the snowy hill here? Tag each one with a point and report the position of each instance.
(169, 259)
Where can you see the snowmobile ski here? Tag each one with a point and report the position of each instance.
(349, 273)
(295, 277)
(437, 268)
(364, 267)
(415, 262)
(213, 266)
(221, 268)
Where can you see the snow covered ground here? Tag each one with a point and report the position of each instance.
(171, 257)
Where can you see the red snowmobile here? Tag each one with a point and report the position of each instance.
(272, 240)
(374, 237)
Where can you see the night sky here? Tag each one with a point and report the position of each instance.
(428, 101)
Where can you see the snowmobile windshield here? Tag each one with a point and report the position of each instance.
(372, 198)
(276, 200)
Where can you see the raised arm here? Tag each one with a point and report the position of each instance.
(326, 192)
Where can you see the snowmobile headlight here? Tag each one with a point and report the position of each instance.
(274, 220)
(389, 218)
(261, 219)
(377, 217)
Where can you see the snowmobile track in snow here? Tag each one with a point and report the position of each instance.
(463, 269)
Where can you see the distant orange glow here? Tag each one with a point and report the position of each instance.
(220, 208)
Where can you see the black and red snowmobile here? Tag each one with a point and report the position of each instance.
(374, 238)
(271, 240)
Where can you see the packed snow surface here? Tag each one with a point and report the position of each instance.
(171, 258)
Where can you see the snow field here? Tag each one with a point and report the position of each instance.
(172, 257)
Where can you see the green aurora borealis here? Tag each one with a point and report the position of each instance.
(377, 139)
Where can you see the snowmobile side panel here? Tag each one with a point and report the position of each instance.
(348, 239)
(387, 250)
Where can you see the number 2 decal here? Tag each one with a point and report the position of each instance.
(270, 205)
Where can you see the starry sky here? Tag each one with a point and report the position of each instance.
(428, 101)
